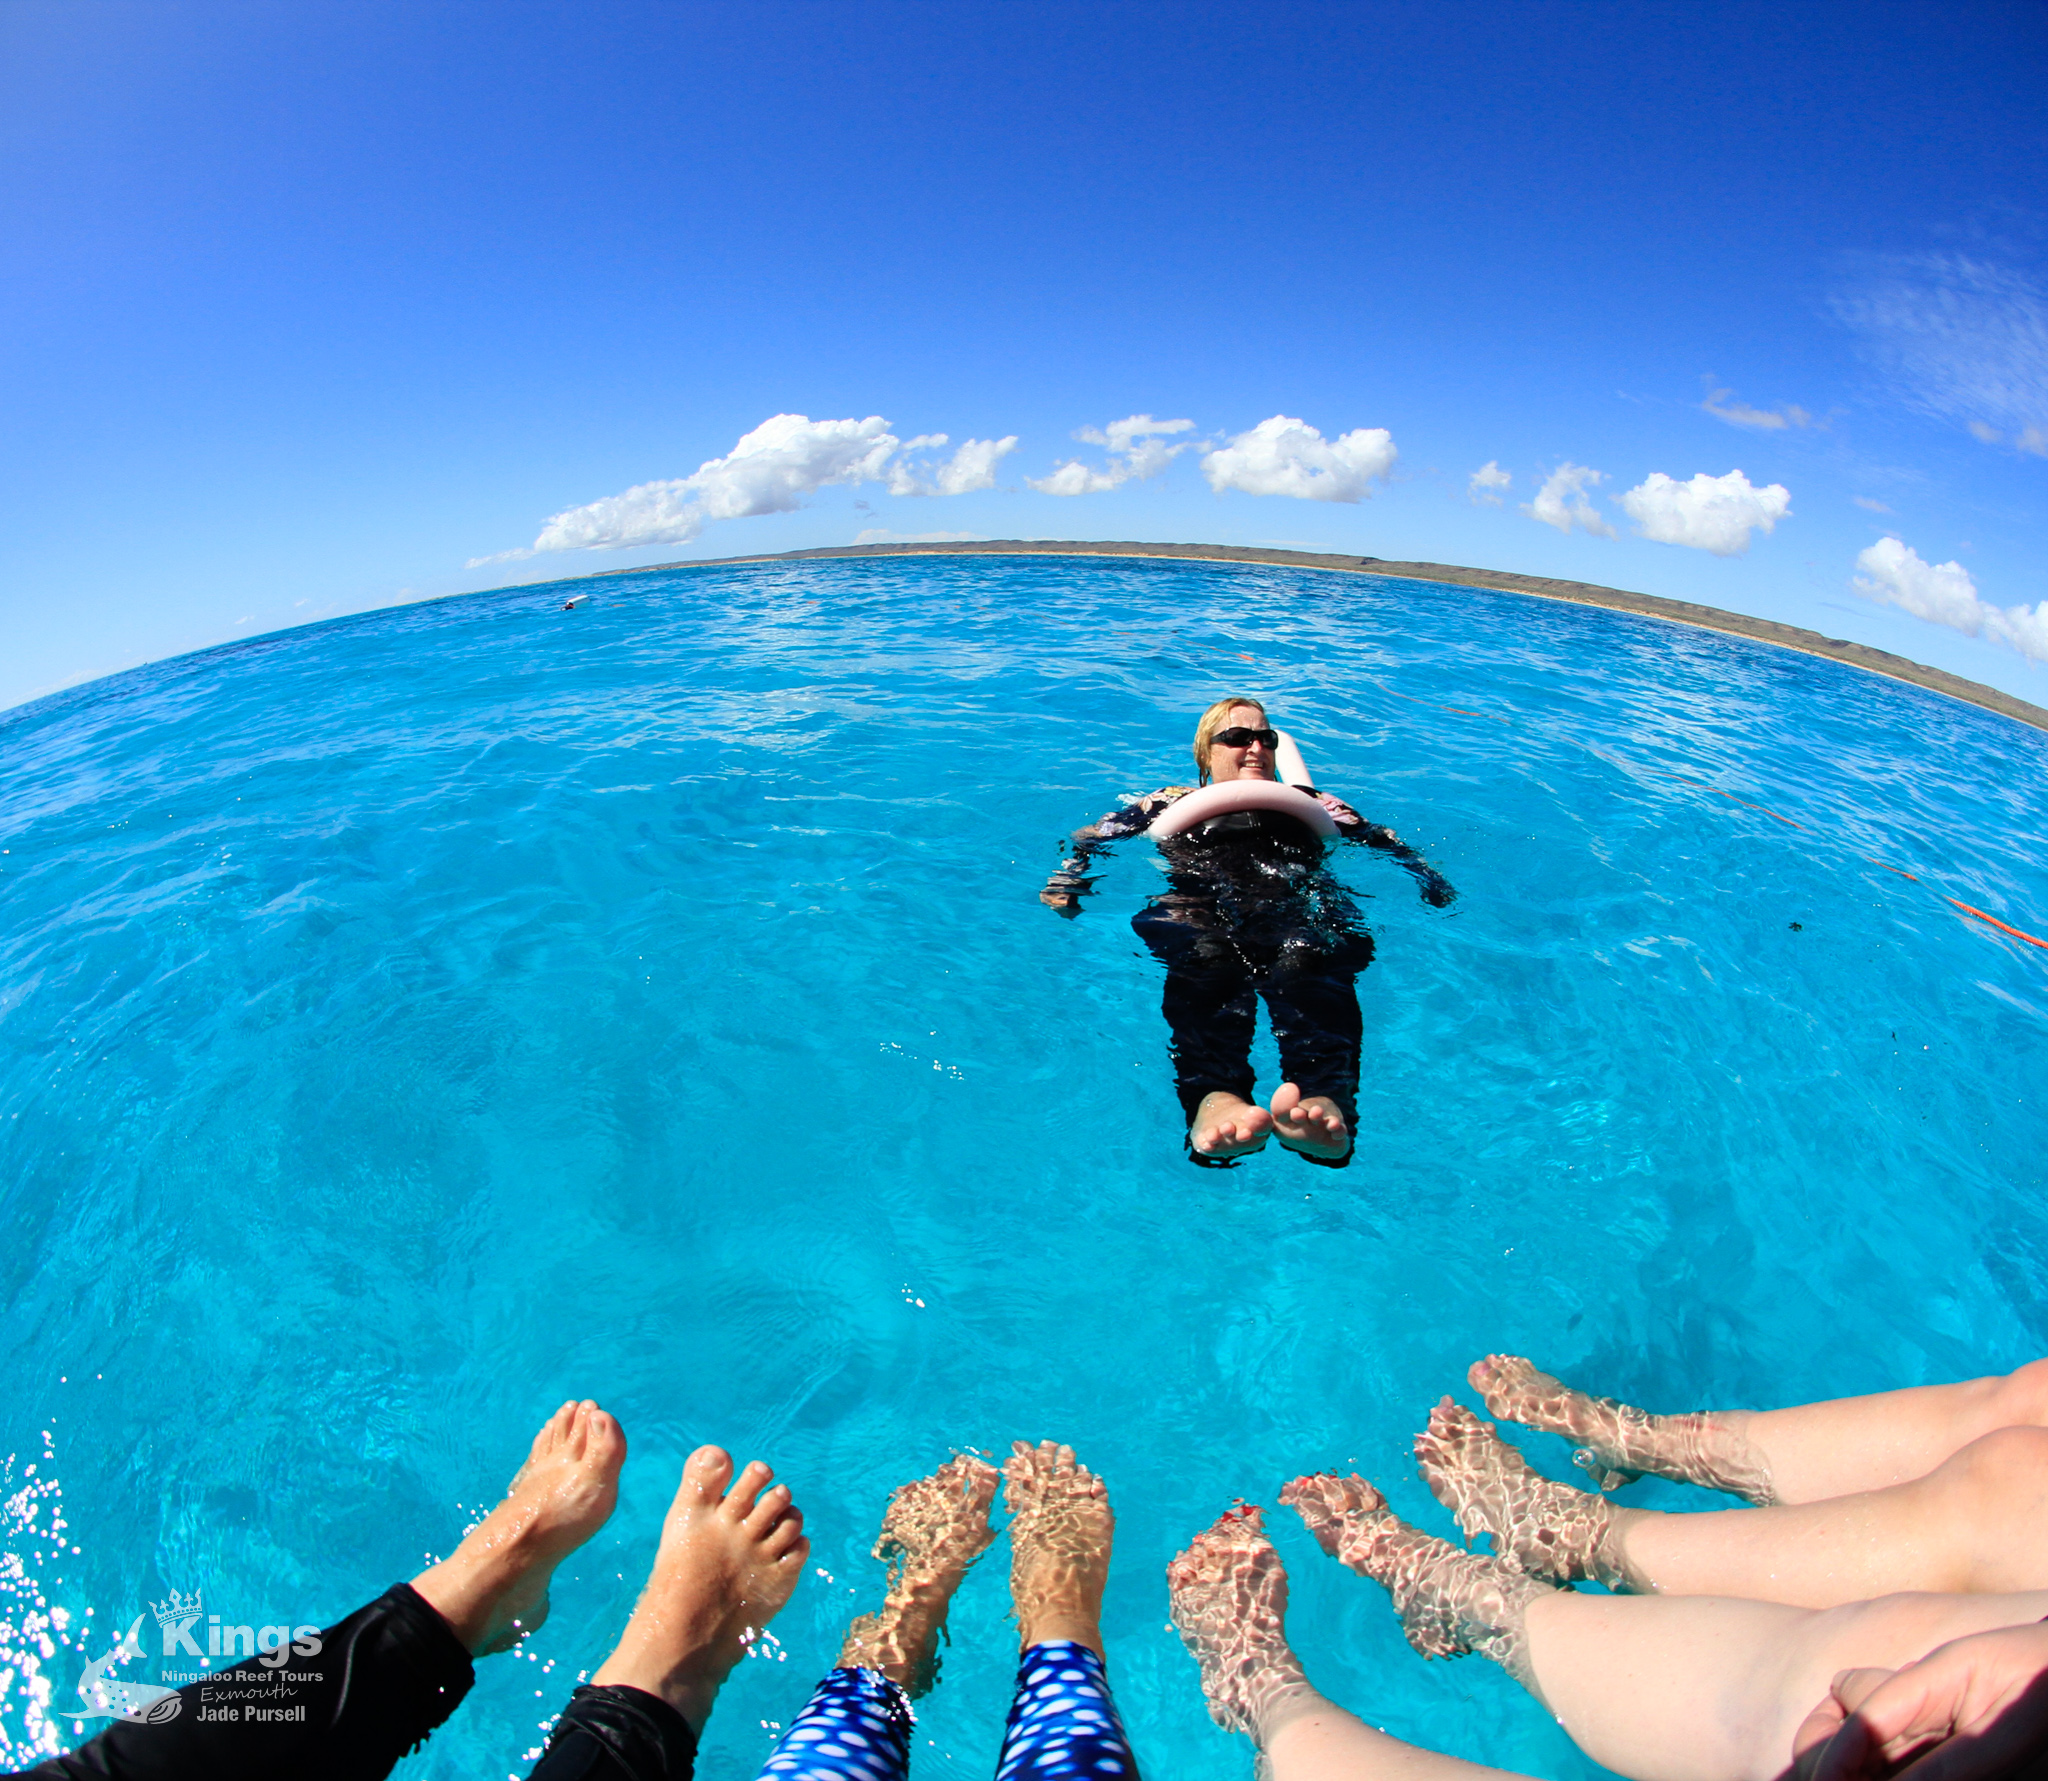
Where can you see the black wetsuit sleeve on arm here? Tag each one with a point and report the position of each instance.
(1074, 875)
(1435, 887)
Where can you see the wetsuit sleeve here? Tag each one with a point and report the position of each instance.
(1074, 876)
(1435, 887)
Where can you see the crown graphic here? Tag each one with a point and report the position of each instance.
(178, 1608)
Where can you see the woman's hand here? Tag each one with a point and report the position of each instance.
(1969, 1710)
(1340, 810)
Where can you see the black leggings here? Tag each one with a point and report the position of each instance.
(1215, 979)
(384, 1678)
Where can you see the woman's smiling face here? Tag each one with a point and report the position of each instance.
(1253, 761)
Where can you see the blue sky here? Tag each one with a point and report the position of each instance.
(312, 308)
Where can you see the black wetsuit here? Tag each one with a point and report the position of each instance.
(1252, 913)
(383, 1679)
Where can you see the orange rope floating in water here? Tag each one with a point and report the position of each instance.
(2007, 927)
(1747, 805)
(1687, 779)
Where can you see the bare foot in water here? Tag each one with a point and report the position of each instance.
(1620, 1442)
(728, 1561)
(1228, 1596)
(933, 1530)
(1060, 1532)
(1449, 1602)
(1546, 1529)
(1226, 1126)
(1314, 1126)
(493, 1590)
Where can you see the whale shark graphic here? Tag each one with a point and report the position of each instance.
(105, 1698)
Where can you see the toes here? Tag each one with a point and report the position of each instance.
(768, 1508)
(785, 1534)
(795, 1555)
(707, 1472)
(604, 1439)
(555, 1429)
(746, 1489)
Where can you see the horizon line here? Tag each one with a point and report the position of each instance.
(1864, 656)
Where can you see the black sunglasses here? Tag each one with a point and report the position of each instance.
(1239, 737)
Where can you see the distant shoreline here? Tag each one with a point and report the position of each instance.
(1578, 593)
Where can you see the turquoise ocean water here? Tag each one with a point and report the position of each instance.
(409, 1022)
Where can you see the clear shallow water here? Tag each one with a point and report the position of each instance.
(414, 1021)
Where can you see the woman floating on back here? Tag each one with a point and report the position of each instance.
(1252, 912)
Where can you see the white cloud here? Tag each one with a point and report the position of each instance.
(787, 458)
(1723, 406)
(882, 535)
(968, 471)
(1865, 501)
(1561, 502)
(1960, 339)
(2034, 440)
(1488, 478)
(1986, 435)
(1288, 457)
(1135, 453)
(1715, 513)
(771, 470)
(1944, 594)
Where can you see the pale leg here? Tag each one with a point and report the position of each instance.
(1697, 1688)
(1229, 1598)
(1978, 1524)
(1657, 1688)
(1800, 1455)
(1328, 1744)
(1850, 1444)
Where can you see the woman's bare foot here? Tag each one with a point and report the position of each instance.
(933, 1530)
(1228, 1596)
(1314, 1126)
(1225, 1125)
(1060, 1532)
(493, 1590)
(1449, 1602)
(1546, 1529)
(1620, 1442)
(728, 1561)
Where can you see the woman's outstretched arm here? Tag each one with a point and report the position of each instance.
(1065, 888)
(1435, 887)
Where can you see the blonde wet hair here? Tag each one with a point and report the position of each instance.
(1217, 717)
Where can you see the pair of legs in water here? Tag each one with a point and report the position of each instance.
(1216, 976)
(1062, 1720)
(1885, 1527)
(732, 1550)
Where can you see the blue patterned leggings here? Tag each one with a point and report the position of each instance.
(1062, 1724)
